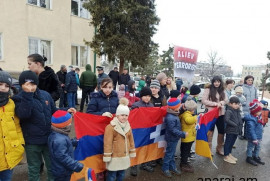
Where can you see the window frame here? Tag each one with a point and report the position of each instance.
(38, 4)
(1, 47)
(39, 48)
(79, 12)
(79, 55)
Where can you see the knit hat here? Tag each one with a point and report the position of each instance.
(195, 90)
(190, 105)
(28, 76)
(161, 76)
(155, 83)
(239, 89)
(174, 103)
(61, 119)
(123, 107)
(174, 93)
(264, 102)
(146, 91)
(255, 106)
(5, 77)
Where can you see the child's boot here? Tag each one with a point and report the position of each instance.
(258, 160)
(251, 161)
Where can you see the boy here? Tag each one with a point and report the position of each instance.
(194, 92)
(172, 135)
(156, 98)
(188, 123)
(233, 128)
(265, 112)
(254, 133)
(61, 147)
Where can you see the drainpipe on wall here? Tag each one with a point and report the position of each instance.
(95, 55)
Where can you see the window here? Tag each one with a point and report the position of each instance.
(41, 3)
(1, 49)
(79, 55)
(42, 47)
(78, 9)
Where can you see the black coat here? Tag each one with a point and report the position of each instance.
(123, 79)
(233, 121)
(61, 76)
(114, 75)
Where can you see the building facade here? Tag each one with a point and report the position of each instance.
(256, 71)
(55, 29)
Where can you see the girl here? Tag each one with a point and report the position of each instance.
(11, 138)
(48, 80)
(119, 144)
(130, 94)
(170, 84)
(215, 96)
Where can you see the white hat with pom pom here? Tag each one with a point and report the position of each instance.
(123, 107)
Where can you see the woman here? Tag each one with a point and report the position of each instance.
(170, 84)
(215, 96)
(48, 80)
(229, 87)
(250, 93)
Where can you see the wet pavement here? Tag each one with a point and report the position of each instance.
(204, 170)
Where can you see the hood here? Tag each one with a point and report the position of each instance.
(47, 73)
(88, 67)
(122, 87)
(142, 83)
(130, 83)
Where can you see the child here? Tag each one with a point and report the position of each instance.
(157, 99)
(145, 95)
(61, 147)
(121, 93)
(119, 145)
(35, 107)
(172, 135)
(188, 123)
(10, 131)
(254, 133)
(194, 91)
(130, 94)
(239, 93)
(233, 128)
(265, 112)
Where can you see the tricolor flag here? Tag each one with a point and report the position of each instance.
(205, 122)
(148, 132)
(90, 175)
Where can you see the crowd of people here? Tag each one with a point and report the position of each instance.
(31, 123)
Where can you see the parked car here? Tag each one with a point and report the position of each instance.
(201, 85)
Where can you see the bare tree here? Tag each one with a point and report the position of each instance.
(215, 63)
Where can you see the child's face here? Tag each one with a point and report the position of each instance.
(4, 87)
(265, 106)
(107, 89)
(146, 99)
(29, 87)
(133, 86)
(154, 90)
(122, 118)
(235, 105)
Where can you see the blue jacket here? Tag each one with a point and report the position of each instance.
(71, 82)
(35, 111)
(173, 128)
(254, 129)
(100, 103)
(61, 155)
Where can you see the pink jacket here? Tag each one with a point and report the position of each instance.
(210, 104)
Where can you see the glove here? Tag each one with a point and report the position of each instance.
(107, 114)
(255, 142)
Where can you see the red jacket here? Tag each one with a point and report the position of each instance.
(131, 98)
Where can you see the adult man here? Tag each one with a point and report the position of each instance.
(124, 78)
(88, 83)
(101, 76)
(61, 74)
(71, 86)
(114, 75)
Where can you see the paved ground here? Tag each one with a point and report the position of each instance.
(204, 170)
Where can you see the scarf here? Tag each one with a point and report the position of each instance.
(4, 97)
(176, 113)
(122, 125)
(66, 130)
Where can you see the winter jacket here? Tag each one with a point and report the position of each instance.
(141, 85)
(48, 81)
(210, 104)
(88, 78)
(188, 123)
(140, 103)
(61, 76)
(179, 83)
(71, 83)
(250, 93)
(254, 128)
(123, 79)
(164, 91)
(160, 101)
(35, 111)
(265, 115)
(243, 102)
(131, 98)
(11, 138)
(100, 103)
(233, 121)
(172, 128)
(100, 78)
(114, 75)
(118, 146)
(61, 155)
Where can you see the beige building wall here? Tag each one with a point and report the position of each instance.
(256, 71)
(20, 21)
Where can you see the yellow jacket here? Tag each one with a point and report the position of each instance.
(188, 124)
(11, 137)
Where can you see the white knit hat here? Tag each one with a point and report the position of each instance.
(190, 105)
(123, 107)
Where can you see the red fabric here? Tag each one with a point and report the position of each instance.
(131, 99)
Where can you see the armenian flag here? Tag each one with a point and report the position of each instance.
(205, 122)
(148, 132)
